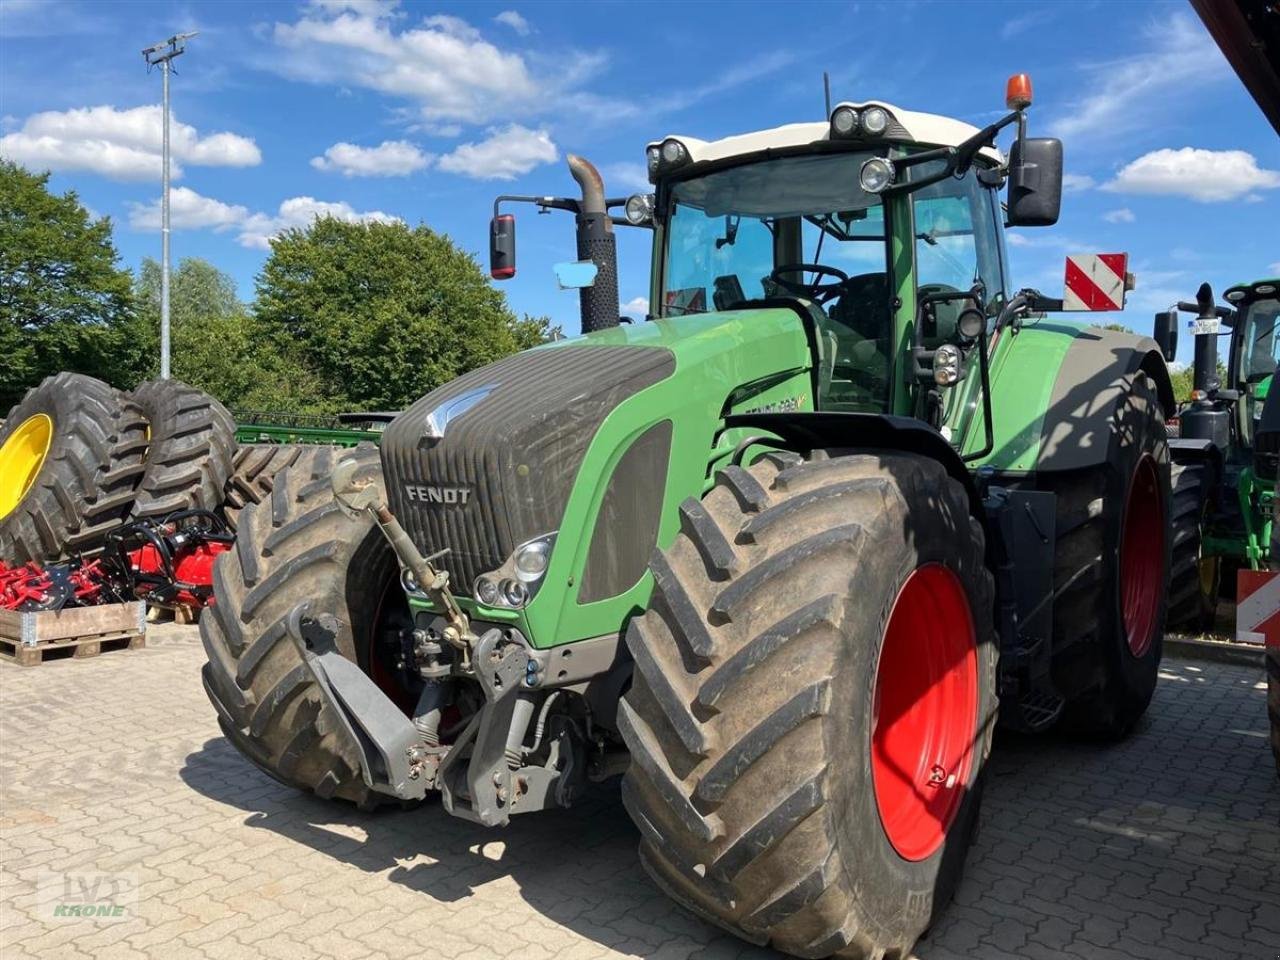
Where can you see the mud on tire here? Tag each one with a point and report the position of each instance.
(296, 547)
(192, 444)
(753, 708)
(85, 485)
(1108, 683)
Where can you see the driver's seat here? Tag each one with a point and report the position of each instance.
(863, 332)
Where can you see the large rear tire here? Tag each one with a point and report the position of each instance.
(192, 444)
(297, 547)
(1111, 572)
(1273, 701)
(1194, 580)
(71, 457)
(818, 795)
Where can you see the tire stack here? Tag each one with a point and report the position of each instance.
(79, 458)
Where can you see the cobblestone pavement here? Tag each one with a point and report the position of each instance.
(1165, 846)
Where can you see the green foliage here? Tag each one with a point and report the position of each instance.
(61, 291)
(216, 343)
(383, 313)
(1183, 380)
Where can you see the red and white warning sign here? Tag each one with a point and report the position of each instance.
(1095, 281)
(1258, 607)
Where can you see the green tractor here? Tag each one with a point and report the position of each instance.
(783, 554)
(1227, 449)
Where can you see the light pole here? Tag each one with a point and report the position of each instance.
(161, 55)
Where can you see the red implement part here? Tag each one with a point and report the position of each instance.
(19, 586)
(192, 568)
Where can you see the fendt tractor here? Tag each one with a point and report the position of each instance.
(783, 553)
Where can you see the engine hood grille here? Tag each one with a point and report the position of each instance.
(488, 461)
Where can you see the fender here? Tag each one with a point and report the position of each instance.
(1055, 421)
(802, 430)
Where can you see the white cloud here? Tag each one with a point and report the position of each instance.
(1076, 182)
(442, 63)
(1275, 269)
(258, 229)
(635, 307)
(516, 22)
(188, 210)
(506, 154)
(391, 158)
(1017, 239)
(1124, 94)
(1206, 176)
(1122, 215)
(120, 144)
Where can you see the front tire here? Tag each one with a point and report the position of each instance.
(296, 547)
(813, 702)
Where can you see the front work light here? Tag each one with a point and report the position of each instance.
(673, 152)
(875, 121)
(946, 364)
(639, 209)
(844, 121)
(877, 173)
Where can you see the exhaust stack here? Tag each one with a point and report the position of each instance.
(596, 242)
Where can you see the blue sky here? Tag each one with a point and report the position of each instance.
(426, 111)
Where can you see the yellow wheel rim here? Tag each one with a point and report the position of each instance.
(21, 457)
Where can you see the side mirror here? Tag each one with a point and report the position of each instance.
(502, 247)
(1166, 334)
(1035, 182)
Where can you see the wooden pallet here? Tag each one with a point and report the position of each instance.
(31, 638)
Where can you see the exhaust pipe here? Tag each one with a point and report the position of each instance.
(596, 242)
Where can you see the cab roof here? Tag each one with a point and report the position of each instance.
(905, 126)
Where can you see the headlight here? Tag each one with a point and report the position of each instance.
(486, 591)
(516, 582)
(673, 152)
(946, 364)
(1265, 289)
(515, 593)
(639, 209)
(531, 560)
(876, 174)
(653, 156)
(844, 121)
(875, 121)
(1236, 295)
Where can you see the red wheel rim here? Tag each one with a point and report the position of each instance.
(1142, 557)
(925, 712)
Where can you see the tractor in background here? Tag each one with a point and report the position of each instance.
(784, 553)
(1228, 447)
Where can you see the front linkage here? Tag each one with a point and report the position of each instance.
(482, 775)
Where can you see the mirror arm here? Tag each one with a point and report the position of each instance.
(546, 203)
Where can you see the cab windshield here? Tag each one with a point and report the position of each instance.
(793, 227)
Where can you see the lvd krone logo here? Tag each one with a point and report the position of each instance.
(98, 896)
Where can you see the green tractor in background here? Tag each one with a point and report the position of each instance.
(1229, 448)
(783, 553)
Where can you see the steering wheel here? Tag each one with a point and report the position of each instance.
(816, 291)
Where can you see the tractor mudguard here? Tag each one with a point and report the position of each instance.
(813, 431)
(1094, 373)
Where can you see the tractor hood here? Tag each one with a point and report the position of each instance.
(493, 459)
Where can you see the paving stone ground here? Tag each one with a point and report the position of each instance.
(1165, 846)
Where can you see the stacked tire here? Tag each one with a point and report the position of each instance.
(79, 458)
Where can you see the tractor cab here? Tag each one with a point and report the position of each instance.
(1255, 349)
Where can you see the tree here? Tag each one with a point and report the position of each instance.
(384, 312)
(61, 290)
(216, 344)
